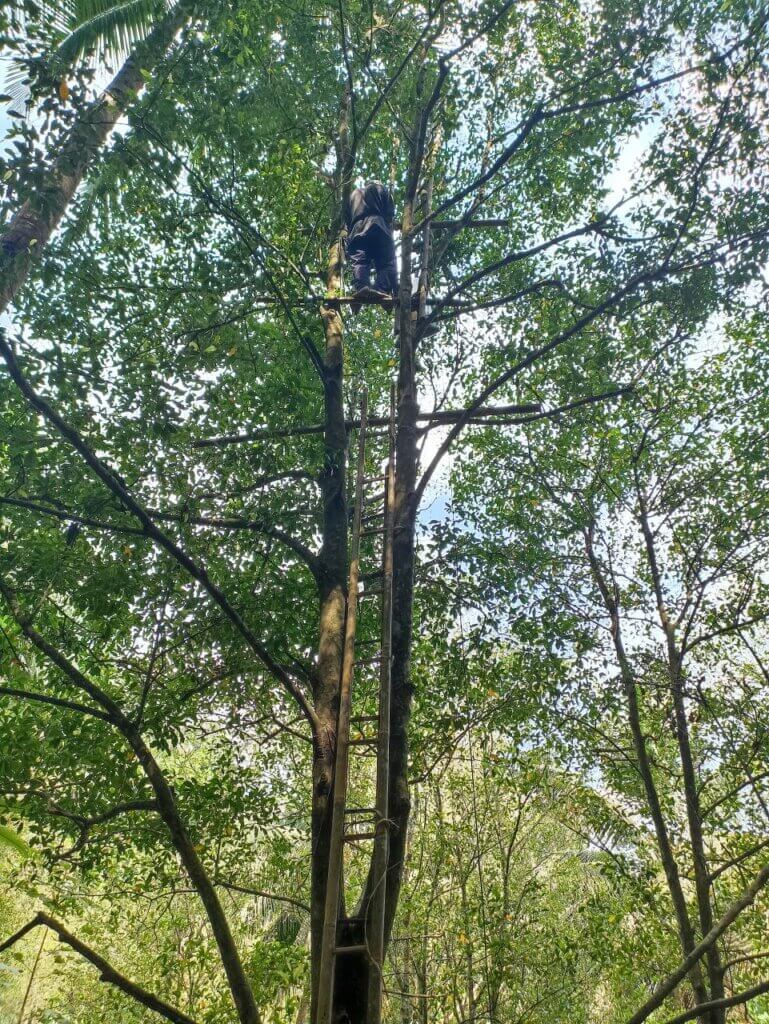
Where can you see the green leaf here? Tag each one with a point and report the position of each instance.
(11, 840)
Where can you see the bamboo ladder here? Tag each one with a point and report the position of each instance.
(372, 517)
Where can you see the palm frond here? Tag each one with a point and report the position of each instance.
(59, 14)
(101, 28)
(109, 30)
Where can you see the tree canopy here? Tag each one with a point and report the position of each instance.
(578, 818)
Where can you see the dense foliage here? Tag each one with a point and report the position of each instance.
(581, 699)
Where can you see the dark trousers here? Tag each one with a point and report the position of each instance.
(374, 249)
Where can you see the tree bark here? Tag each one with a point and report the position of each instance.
(333, 560)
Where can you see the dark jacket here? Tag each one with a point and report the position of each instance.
(371, 209)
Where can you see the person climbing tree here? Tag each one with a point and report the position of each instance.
(370, 222)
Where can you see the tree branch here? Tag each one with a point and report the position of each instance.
(168, 810)
(748, 958)
(674, 979)
(59, 702)
(720, 1004)
(445, 415)
(219, 522)
(745, 855)
(238, 523)
(526, 128)
(266, 895)
(115, 484)
(107, 972)
(66, 516)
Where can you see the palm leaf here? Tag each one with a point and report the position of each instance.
(60, 15)
(102, 28)
(109, 30)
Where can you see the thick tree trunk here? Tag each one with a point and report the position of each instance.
(34, 223)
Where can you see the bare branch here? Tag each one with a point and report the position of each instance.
(747, 958)
(445, 415)
(745, 855)
(525, 130)
(266, 895)
(515, 257)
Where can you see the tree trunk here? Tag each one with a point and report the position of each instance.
(333, 562)
(672, 874)
(333, 558)
(688, 772)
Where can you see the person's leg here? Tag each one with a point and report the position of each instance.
(360, 265)
(386, 267)
(359, 262)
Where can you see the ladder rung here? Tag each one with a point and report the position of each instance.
(370, 533)
(365, 718)
(362, 741)
(360, 810)
(374, 479)
(360, 837)
(338, 950)
(369, 577)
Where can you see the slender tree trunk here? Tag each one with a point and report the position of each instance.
(407, 461)
(670, 867)
(405, 512)
(33, 224)
(689, 775)
(333, 559)
(32, 975)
